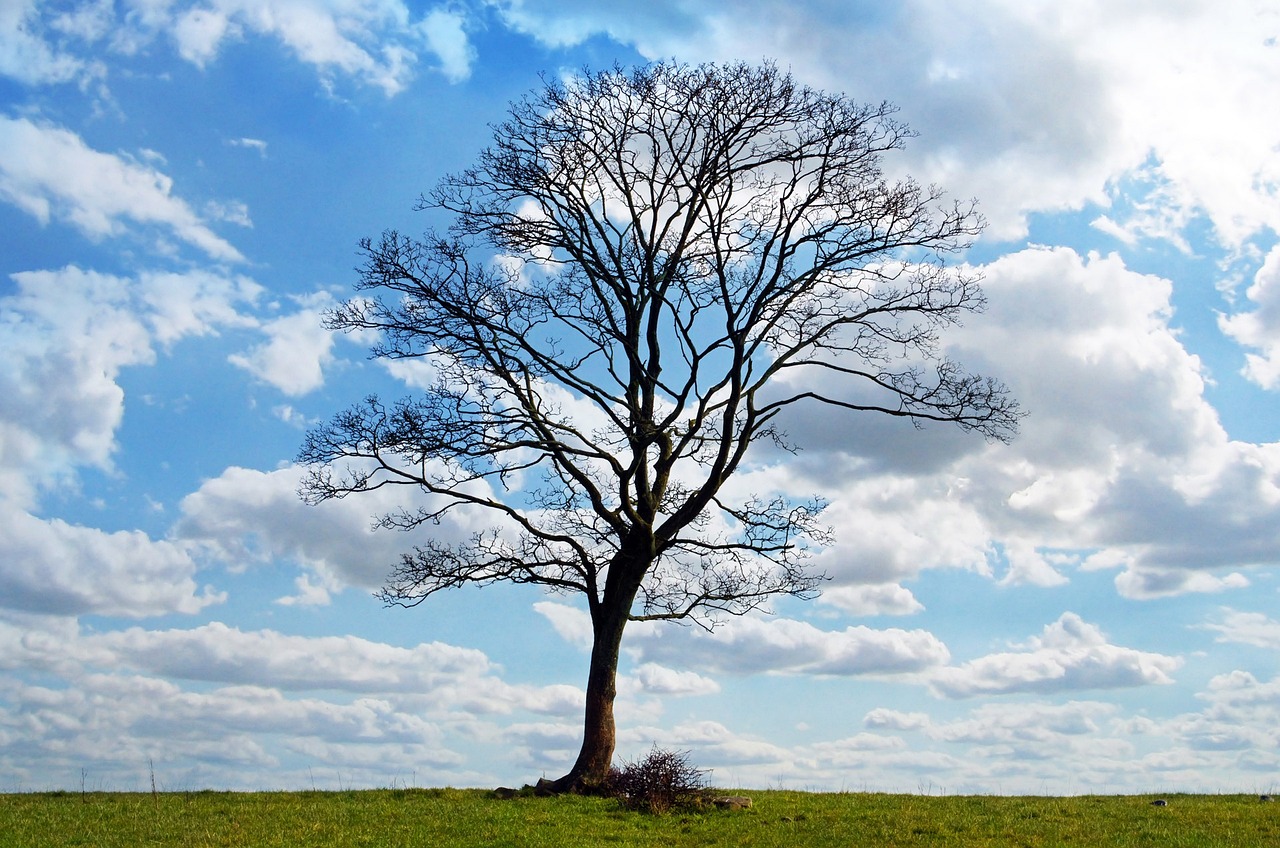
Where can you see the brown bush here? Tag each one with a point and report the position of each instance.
(658, 783)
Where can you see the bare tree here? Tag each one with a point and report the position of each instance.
(644, 270)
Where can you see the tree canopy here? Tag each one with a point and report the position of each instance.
(644, 270)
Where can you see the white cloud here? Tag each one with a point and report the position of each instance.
(1030, 566)
(251, 144)
(1073, 335)
(1240, 721)
(563, 24)
(313, 591)
(297, 350)
(241, 704)
(445, 34)
(89, 21)
(1024, 110)
(1247, 628)
(196, 303)
(754, 645)
(1070, 655)
(50, 566)
(50, 173)
(570, 623)
(1141, 582)
(881, 599)
(238, 728)
(1260, 328)
(1039, 724)
(417, 373)
(199, 33)
(1121, 461)
(330, 41)
(655, 679)
(68, 334)
(245, 517)
(293, 417)
(373, 41)
(714, 745)
(25, 55)
(218, 653)
(886, 719)
(919, 523)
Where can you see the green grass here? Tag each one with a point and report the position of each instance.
(448, 817)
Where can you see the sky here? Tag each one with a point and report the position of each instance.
(1092, 608)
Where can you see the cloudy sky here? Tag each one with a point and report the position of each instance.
(1093, 608)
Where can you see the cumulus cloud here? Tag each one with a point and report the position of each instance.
(1120, 449)
(1070, 655)
(881, 599)
(50, 566)
(297, 350)
(233, 700)
(1025, 723)
(313, 32)
(232, 729)
(50, 173)
(1259, 328)
(1024, 110)
(1032, 747)
(889, 528)
(27, 56)
(68, 335)
(886, 719)
(1240, 721)
(445, 33)
(372, 41)
(750, 645)
(654, 679)
(1074, 745)
(570, 623)
(1246, 628)
(1121, 461)
(245, 517)
(218, 653)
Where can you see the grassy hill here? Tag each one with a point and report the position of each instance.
(448, 817)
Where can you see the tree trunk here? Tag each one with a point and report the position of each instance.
(598, 734)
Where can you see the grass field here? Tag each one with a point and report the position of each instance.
(448, 817)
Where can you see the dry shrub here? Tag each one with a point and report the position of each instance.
(658, 783)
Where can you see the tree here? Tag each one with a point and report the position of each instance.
(644, 271)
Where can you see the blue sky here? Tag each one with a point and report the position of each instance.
(1090, 609)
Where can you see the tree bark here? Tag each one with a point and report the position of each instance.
(599, 733)
(609, 619)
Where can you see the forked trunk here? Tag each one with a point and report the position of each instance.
(598, 734)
